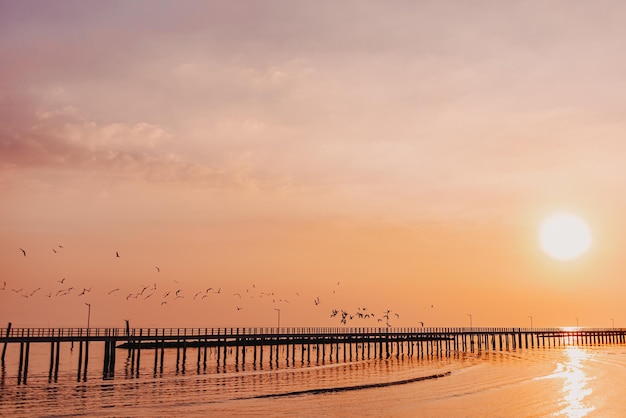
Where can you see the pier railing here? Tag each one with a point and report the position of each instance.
(12, 333)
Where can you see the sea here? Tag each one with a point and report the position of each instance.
(562, 381)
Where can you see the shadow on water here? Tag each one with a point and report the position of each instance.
(349, 388)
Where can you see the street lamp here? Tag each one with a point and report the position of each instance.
(531, 320)
(613, 322)
(278, 310)
(88, 313)
(470, 315)
(577, 322)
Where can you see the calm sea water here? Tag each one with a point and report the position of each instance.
(565, 381)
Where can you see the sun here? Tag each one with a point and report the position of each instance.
(564, 236)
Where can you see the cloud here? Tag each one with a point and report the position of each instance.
(60, 139)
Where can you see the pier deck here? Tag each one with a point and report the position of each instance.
(323, 342)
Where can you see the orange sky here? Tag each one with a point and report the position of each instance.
(386, 156)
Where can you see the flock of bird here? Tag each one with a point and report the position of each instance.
(169, 293)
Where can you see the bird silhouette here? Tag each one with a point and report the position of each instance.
(5, 286)
(157, 269)
(23, 251)
(61, 281)
(117, 254)
(114, 290)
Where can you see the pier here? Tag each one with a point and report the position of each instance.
(257, 347)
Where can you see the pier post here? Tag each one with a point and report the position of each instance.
(156, 354)
(198, 359)
(236, 347)
(205, 350)
(4, 348)
(51, 362)
(86, 358)
(138, 352)
(185, 355)
(217, 360)
(21, 363)
(80, 359)
(132, 360)
(105, 366)
(254, 354)
(225, 354)
(162, 353)
(56, 361)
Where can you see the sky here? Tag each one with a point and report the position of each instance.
(252, 162)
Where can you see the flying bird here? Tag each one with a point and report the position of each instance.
(117, 254)
(157, 269)
(114, 290)
(23, 251)
(61, 281)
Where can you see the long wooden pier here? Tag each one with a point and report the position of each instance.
(313, 345)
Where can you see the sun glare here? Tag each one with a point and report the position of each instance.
(564, 236)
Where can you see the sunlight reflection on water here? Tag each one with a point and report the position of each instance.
(575, 388)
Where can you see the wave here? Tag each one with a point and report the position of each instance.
(349, 388)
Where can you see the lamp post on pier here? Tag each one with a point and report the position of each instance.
(613, 322)
(88, 315)
(278, 310)
(531, 321)
(576, 322)
(470, 315)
